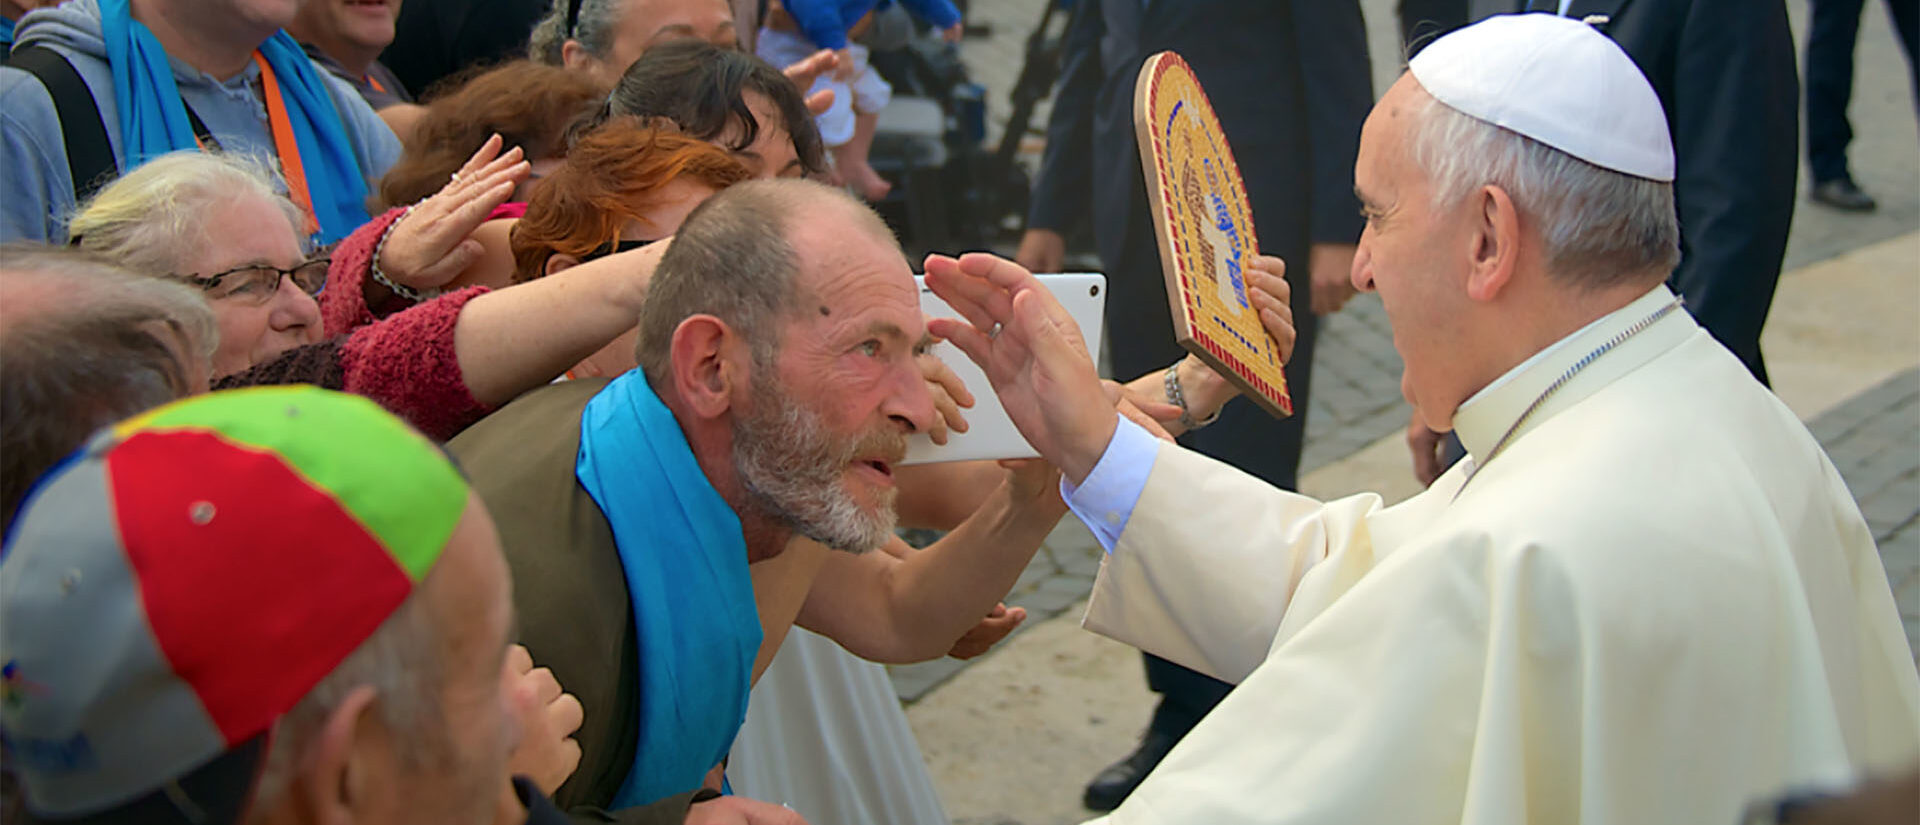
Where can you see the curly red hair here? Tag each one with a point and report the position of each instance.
(608, 179)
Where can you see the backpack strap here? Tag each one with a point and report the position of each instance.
(89, 154)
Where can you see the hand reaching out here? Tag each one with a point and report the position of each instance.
(805, 72)
(432, 244)
(1031, 351)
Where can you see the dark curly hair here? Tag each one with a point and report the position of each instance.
(702, 89)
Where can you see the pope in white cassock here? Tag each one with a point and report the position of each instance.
(1645, 597)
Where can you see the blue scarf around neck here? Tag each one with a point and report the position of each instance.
(153, 119)
(685, 559)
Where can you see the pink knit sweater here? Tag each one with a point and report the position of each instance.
(406, 363)
(343, 305)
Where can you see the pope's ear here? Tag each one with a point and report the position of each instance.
(706, 365)
(1495, 228)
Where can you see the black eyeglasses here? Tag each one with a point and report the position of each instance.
(614, 248)
(256, 283)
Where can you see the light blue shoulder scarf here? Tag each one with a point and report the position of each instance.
(686, 567)
(153, 120)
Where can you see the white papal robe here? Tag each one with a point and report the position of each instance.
(1657, 604)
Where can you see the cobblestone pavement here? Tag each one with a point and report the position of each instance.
(1874, 440)
(1356, 386)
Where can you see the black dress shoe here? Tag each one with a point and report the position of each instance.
(1841, 193)
(1112, 786)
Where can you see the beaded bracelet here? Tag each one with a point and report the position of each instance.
(1178, 398)
(381, 278)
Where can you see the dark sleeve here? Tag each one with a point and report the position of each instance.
(1064, 190)
(1736, 145)
(669, 811)
(317, 364)
(1337, 82)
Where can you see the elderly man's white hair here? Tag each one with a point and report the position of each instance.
(1601, 227)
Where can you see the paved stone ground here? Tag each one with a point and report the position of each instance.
(1356, 387)
(1874, 440)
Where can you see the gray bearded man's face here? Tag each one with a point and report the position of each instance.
(794, 469)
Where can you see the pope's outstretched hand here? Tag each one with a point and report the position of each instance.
(1032, 353)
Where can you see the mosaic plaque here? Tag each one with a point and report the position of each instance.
(1205, 230)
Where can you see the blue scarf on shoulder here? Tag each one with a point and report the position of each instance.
(686, 565)
(153, 119)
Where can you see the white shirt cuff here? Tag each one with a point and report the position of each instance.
(1105, 500)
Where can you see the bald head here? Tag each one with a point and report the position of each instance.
(748, 256)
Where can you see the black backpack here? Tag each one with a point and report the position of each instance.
(89, 154)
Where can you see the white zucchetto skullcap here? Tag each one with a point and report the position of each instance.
(1555, 80)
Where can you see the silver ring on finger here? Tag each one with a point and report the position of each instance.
(994, 333)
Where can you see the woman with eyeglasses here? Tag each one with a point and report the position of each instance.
(219, 223)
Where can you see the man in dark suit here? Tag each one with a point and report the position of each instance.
(1291, 84)
(1831, 32)
(1725, 72)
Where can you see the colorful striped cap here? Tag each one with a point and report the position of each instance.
(192, 573)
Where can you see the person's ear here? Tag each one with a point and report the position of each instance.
(707, 365)
(560, 262)
(575, 57)
(345, 762)
(1495, 238)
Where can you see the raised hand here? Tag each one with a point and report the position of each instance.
(1032, 353)
(805, 72)
(433, 243)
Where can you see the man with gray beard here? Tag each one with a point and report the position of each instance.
(779, 380)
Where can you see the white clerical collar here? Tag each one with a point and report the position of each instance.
(1485, 417)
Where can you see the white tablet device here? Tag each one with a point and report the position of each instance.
(990, 434)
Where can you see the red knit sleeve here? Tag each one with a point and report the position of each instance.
(343, 304)
(407, 363)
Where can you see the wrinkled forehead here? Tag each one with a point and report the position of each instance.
(849, 276)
